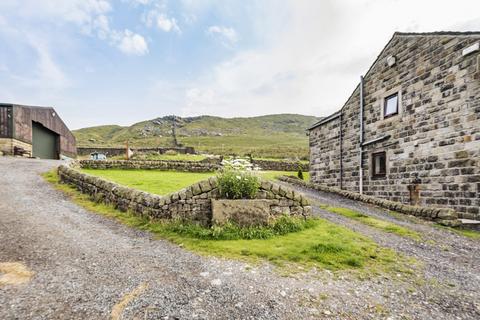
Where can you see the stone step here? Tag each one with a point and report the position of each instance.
(469, 224)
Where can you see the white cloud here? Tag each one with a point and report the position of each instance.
(312, 54)
(48, 72)
(79, 12)
(90, 16)
(45, 74)
(102, 25)
(142, 2)
(167, 24)
(156, 17)
(131, 43)
(227, 36)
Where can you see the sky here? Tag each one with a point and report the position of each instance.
(123, 61)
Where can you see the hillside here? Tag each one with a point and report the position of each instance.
(280, 135)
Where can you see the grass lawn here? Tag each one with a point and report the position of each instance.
(153, 181)
(281, 159)
(322, 244)
(374, 222)
(272, 175)
(472, 234)
(164, 182)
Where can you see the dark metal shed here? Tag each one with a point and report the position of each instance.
(36, 131)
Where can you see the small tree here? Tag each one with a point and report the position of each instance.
(300, 173)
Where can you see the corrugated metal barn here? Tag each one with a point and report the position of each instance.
(34, 131)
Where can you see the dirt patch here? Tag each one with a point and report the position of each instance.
(126, 299)
(14, 273)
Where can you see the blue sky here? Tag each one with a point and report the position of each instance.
(119, 62)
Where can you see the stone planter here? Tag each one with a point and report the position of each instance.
(246, 213)
(194, 203)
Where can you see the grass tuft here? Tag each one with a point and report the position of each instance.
(472, 234)
(386, 226)
(230, 231)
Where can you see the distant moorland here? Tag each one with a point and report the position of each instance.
(275, 136)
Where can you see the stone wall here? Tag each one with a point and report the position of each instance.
(274, 165)
(433, 144)
(7, 145)
(83, 151)
(193, 203)
(191, 166)
(441, 215)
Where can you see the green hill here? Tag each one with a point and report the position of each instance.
(278, 136)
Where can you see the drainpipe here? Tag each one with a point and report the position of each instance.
(341, 150)
(360, 156)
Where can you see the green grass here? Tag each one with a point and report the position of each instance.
(472, 234)
(386, 226)
(164, 182)
(272, 175)
(230, 231)
(322, 244)
(157, 182)
(468, 233)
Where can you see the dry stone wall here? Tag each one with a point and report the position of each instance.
(190, 166)
(443, 215)
(191, 204)
(84, 151)
(273, 165)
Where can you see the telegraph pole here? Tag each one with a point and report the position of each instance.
(174, 131)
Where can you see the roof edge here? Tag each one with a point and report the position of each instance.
(325, 120)
(438, 33)
(395, 34)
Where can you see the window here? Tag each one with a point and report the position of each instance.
(390, 106)
(379, 165)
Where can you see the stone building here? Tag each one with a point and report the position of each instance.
(34, 131)
(410, 131)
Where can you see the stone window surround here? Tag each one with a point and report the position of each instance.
(370, 161)
(386, 102)
(397, 90)
(374, 166)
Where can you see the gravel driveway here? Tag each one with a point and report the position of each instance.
(88, 267)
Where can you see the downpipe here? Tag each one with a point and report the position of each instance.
(360, 155)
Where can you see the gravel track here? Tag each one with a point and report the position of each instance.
(84, 266)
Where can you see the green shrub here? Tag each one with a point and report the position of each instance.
(300, 173)
(231, 231)
(234, 184)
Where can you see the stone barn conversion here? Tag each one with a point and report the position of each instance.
(410, 131)
(34, 131)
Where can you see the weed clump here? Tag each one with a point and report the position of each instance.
(231, 231)
(236, 184)
(300, 173)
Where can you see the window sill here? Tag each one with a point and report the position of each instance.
(390, 116)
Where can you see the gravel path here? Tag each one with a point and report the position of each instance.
(89, 267)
